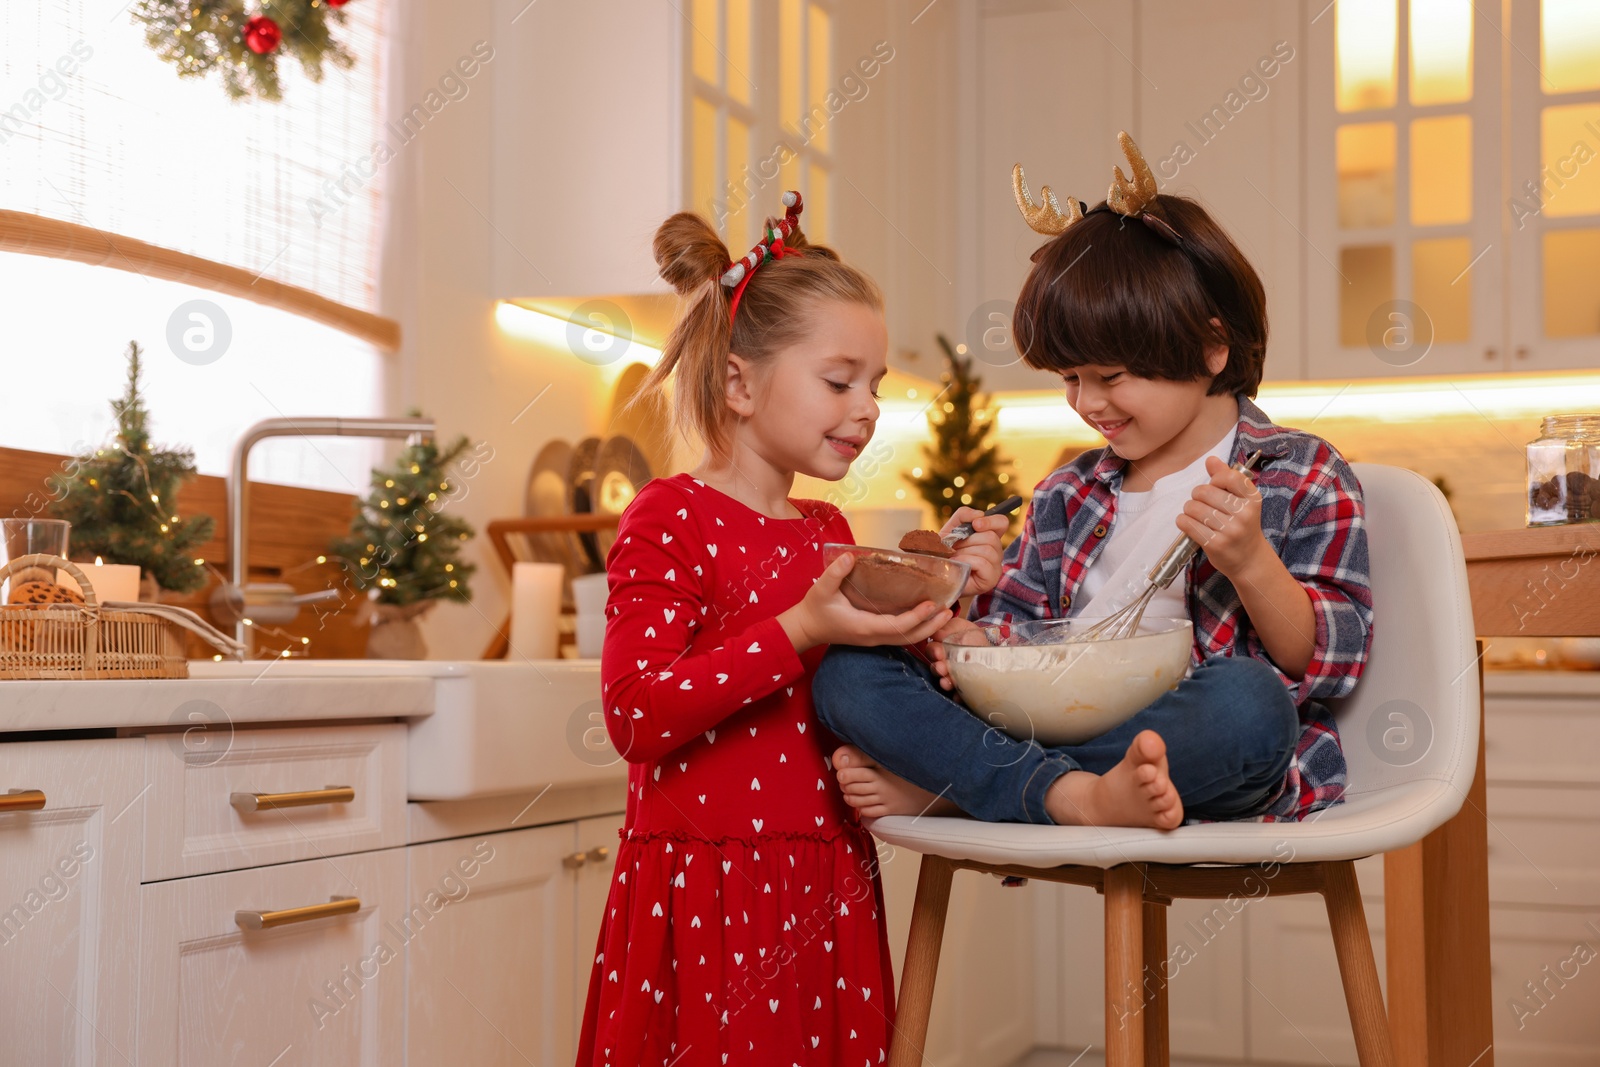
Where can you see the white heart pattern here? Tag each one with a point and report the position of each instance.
(757, 823)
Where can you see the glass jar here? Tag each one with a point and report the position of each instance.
(1564, 471)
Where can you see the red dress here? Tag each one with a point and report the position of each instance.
(745, 920)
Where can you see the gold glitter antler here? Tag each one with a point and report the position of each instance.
(1046, 218)
(1131, 197)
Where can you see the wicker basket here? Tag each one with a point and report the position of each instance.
(84, 640)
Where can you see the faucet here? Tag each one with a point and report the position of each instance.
(236, 600)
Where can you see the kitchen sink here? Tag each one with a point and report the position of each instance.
(497, 726)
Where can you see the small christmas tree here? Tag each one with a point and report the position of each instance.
(401, 543)
(963, 468)
(122, 500)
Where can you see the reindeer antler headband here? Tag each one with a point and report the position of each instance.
(772, 246)
(1129, 197)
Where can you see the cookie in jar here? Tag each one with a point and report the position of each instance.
(1564, 471)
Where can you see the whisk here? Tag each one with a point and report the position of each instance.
(1125, 621)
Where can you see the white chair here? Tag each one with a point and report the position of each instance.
(1420, 688)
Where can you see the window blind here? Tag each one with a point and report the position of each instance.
(99, 131)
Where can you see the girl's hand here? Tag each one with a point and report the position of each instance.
(825, 617)
(981, 550)
(932, 650)
(1224, 518)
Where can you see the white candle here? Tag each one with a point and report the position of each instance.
(535, 610)
(111, 581)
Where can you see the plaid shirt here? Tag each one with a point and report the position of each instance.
(1312, 515)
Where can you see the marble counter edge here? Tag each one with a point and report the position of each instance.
(133, 703)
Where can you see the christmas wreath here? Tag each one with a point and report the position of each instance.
(244, 43)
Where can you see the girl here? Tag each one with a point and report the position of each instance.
(1157, 325)
(745, 921)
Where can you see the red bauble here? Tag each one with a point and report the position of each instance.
(262, 35)
(337, 3)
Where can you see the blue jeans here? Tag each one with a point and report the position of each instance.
(1230, 730)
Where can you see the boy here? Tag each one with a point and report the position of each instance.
(1157, 324)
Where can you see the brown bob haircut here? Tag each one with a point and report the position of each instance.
(1110, 291)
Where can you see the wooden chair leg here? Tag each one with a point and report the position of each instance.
(922, 962)
(1353, 945)
(1124, 892)
(1156, 1048)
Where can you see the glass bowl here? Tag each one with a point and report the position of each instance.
(888, 581)
(1031, 682)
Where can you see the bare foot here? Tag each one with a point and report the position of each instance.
(875, 792)
(1136, 792)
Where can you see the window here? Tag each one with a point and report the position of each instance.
(98, 132)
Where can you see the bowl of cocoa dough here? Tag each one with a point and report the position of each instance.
(890, 580)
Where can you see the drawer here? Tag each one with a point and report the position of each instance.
(196, 817)
(303, 987)
(1517, 740)
(1542, 845)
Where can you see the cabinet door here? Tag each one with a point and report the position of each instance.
(982, 1001)
(1553, 203)
(597, 842)
(1205, 954)
(1058, 115)
(1294, 999)
(490, 979)
(69, 884)
(1221, 124)
(1404, 256)
(320, 991)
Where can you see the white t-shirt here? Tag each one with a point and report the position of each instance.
(1143, 528)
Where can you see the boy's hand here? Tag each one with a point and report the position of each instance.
(1224, 519)
(932, 650)
(981, 550)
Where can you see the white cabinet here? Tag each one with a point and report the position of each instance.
(1451, 222)
(328, 991)
(588, 150)
(69, 880)
(1218, 90)
(982, 1000)
(490, 974)
(597, 843)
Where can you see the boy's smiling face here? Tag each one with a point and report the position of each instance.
(1158, 426)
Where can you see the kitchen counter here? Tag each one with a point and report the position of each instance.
(132, 703)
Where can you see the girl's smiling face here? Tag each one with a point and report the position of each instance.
(812, 407)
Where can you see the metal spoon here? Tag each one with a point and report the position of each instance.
(964, 531)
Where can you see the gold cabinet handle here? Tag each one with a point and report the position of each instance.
(333, 794)
(22, 800)
(599, 854)
(573, 860)
(266, 920)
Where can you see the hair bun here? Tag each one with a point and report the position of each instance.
(688, 252)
